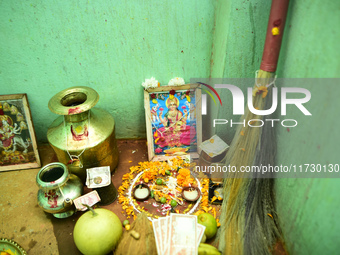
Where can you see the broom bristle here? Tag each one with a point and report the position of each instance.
(261, 230)
(241, 153)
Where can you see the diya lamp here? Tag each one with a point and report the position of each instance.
(141, 191)
(191, 193)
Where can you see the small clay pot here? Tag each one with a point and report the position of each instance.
(189, 189)
(137, 187)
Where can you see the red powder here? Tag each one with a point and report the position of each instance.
(74, 110)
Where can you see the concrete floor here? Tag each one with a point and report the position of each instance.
(40, 233)
(23, 221)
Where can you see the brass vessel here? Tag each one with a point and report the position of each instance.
(57, 189)
(83, 137)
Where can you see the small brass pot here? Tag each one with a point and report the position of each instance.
(57, 189)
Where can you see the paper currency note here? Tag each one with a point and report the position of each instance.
(182, 235)
(89, 199)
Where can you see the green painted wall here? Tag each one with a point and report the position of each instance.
(237, 50)
(308, 208)
(111, 46)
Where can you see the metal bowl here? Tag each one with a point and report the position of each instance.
(7, 245)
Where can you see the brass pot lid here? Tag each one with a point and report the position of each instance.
(10, 247)
(73, 100)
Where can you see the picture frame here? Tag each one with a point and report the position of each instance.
(18, 145)
(173, 117)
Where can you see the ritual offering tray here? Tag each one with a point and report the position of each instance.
(158, 188)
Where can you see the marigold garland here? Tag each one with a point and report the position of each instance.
(152, 170)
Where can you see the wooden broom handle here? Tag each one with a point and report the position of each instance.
(276, 23)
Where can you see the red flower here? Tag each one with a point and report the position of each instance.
(187, 92)
(172, 92)
(158, 150)
(153, 96)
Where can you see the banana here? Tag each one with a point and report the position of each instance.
(207, 249)
(204, 238)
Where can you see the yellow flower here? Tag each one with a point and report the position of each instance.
(275, 31)
(218, 223)
(213, 199)
(198, 212)
(162, 171)
(126, 176)
(214, 212)
(184, 172)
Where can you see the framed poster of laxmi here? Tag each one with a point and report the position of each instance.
(173, 121)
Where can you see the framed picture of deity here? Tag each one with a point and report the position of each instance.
(173, 121)
(18, 146)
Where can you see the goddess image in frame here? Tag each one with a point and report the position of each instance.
(173, 122)
(14, 136)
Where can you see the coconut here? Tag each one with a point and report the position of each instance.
(145, 244)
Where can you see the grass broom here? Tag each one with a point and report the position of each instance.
(249, 223)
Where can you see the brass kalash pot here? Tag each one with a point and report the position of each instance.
(83, 137)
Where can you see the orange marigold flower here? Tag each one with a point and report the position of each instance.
(218, 222)
(127, 176)
(162, 171)
(213, 199)
(214, 212)
(184, 172)
(198, 212)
